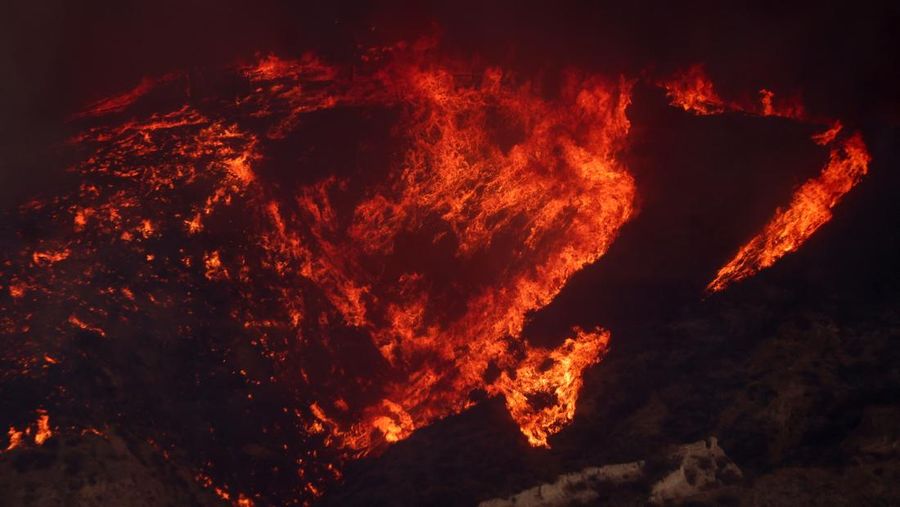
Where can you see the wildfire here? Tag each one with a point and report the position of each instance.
(563, 209)
(15, 438)
(693, 91)
(213, 263)
(238, 500)
(41, 430)
(810, 208)
(494, 197)
(80, 324)
(811, 204)
(49, 257)
(17, 290)
(558, 385)
(784, 109)
(194, 225)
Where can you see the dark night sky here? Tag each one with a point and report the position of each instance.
(58, 56)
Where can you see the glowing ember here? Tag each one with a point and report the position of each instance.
(43, 431)
(15, 439)
(17, 290)
(75, 321)
(49, 257)
(40, 429)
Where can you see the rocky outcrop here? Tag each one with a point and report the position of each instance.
(695, 469)
(703, 466)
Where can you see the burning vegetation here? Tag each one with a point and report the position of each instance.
(385, 299)
(811, 205)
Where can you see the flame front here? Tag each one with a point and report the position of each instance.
(811, 204)
(810, 208)
(494, 199)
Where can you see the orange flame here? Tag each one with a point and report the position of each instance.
(693, 91)
(49, 257)
(558, 384)
(810, 208)
(41, 429)
(811, 204)
(43, 432)
(75, 321)
(15, 438)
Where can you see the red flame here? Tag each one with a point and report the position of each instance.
(811, 205)
(693, 91)
(559, 194)
(496, 197)
(41, 430)
(810, 208)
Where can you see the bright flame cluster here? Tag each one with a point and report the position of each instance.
(811, 204)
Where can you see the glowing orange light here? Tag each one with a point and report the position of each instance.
(15, 438)
(693, 91)
(811, 204)
(43, 432)
(810, 208)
